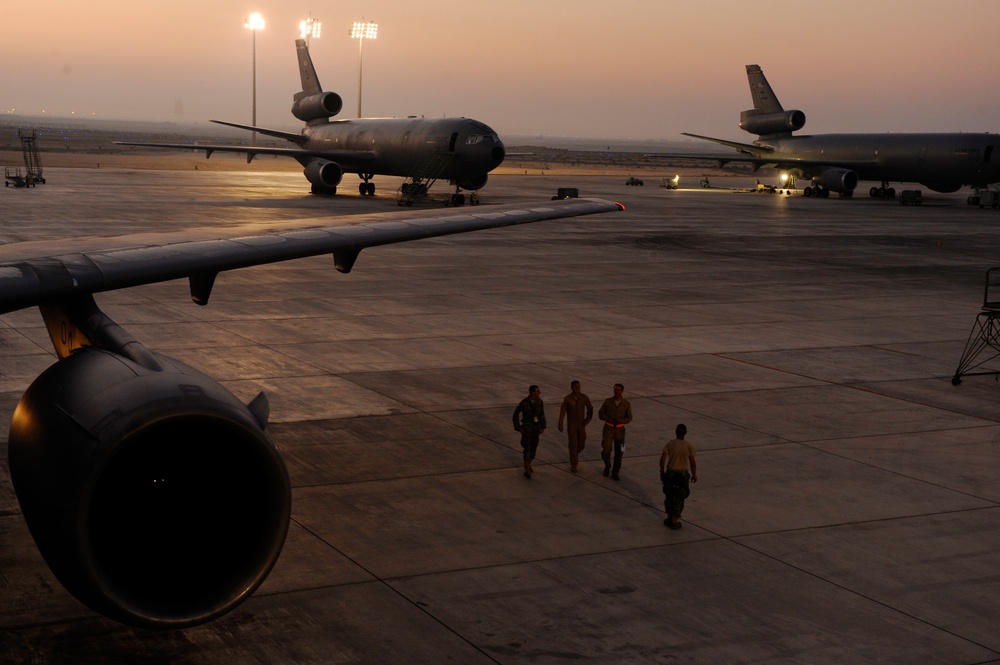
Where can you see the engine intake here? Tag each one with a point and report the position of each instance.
(323, 173)
(155, 497)
(317, 107)
(780, 122)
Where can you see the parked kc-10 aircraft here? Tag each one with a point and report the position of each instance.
(836, 162)
(460, 150)
(154, 494)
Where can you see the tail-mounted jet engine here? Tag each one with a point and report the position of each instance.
(842, 181)
(317, 107)
(152, 492)
(780, 122)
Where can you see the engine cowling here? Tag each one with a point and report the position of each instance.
(474, 182)
(838, 180)
(155, 497)
(317, 107)
(780, 122)
(324, 173)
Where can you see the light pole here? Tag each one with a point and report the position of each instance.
(362, 31)
(309, 28)
(254, 23)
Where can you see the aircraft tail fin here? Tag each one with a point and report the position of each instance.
(764, 100)
(310, 82)
(767, 117)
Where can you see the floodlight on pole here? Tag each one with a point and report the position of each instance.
(254, 23)
(309, 27)
(361, 31)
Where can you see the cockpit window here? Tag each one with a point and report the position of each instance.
(474, 139)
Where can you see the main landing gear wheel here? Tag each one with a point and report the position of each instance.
(883, 192)
(458, 199)
(366, 188)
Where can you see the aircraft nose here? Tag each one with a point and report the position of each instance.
(498, 153)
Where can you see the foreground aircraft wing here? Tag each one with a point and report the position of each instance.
(153, 493)
(58, 271)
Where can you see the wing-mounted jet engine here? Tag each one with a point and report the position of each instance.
(154, 495)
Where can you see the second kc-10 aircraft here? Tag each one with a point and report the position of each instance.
(836, 162)
(154, 495)
(460, 150)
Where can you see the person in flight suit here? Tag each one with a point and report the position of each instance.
(616, 412)
(529, 420)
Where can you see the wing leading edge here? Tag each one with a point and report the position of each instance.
(64, 273)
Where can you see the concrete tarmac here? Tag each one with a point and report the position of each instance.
(848, 508)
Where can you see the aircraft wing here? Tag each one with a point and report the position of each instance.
(39, 272)
(345, 158)
(763, 155)
(742, 147)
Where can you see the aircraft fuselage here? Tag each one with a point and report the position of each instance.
(943, 162)
(398, 146)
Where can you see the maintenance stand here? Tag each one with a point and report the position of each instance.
(32, 174)
(985, 335)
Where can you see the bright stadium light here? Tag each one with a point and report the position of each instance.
(308, 28)
(361, 31)
(254, 23)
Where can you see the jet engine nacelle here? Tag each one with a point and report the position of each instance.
(155, 497)
(780, 122)
(318, 106)
(838, 180)
(474, 182)
(323, 173)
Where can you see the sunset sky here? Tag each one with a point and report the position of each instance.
(644, 69)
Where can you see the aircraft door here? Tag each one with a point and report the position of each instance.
(452, 141)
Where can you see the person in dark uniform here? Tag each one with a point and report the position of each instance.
(576, 411)
(529, 420)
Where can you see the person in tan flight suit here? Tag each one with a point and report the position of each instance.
(616, 412)
(577, 411)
